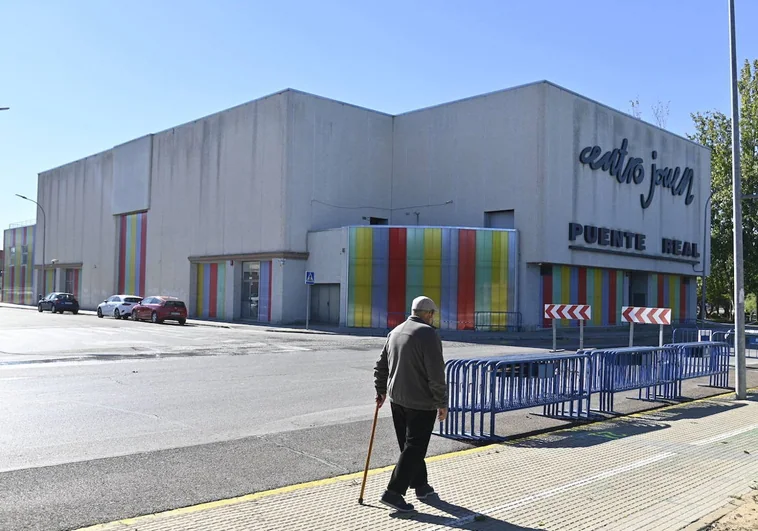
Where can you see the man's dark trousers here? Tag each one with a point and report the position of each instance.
(413, 428)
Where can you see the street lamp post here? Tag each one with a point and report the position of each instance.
(739, 289)
(44, 224)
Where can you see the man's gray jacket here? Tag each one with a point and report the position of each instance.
(411, 369)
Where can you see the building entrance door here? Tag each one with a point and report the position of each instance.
(251, 275)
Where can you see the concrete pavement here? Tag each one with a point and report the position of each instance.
(661, 470)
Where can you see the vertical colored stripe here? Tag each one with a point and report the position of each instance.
(547, 294)
(415, 265)
(598, 297)
(565, 290)
(270, 288)
(221, 291)
(661, 298)
(582, 273)
(433, 267)
(466, 278)
(683, 301)
(396, 307)
(143, 253)
(483, 278)
(352, 273)
(122, 255)
(449, 303)
(606, 283)
(363, 278)
(199, 290)
(213, 291)
(379, 273)
(612, 296)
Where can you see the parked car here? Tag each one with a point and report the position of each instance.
(159, 309)
(58, 303)
(119, 306)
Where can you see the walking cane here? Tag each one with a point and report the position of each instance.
(368, 457)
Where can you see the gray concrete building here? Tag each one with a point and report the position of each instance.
(494, 205)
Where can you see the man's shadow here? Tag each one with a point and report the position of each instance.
(460, 517)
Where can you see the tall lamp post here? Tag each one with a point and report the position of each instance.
(739, 289)
(44, 276)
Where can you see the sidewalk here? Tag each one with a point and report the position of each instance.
(660, 470)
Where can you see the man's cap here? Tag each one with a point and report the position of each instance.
(424, 304)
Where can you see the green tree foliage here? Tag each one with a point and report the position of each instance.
(714, 130)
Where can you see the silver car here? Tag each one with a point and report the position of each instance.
(118, 306)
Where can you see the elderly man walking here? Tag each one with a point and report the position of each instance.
(411, 371)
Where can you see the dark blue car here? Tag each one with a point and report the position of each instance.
(59, 302)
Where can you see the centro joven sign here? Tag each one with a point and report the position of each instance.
(679, 181)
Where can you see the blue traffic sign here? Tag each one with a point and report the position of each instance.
(310, 277)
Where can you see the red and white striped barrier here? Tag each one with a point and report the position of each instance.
(659, 316)
(575, 312)
(641, 315)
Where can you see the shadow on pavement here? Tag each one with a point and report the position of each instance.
(694, 410)
(462, 518)
(591, 435)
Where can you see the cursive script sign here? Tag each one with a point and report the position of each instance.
(679, 181)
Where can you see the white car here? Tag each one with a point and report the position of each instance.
(118, 306)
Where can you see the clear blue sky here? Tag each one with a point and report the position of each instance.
(85, 75)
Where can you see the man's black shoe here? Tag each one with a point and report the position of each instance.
(397, 502)
(424, 492)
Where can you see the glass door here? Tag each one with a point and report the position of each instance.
(251, 273)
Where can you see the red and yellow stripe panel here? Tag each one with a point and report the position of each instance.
(210, 290)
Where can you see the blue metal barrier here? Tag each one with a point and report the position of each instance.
(702, 358)
(649, 369)
(480, 388)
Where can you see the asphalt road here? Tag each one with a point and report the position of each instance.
(105, 419)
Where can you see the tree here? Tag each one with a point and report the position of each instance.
(661, 113)
(714, 130)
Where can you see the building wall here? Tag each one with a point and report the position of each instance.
(216, 189)
(470, 274)
(18, 276)
(574, 192)
(339, 166)
(80, 228)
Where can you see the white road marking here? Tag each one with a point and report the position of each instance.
(549, 493)
(726, 435)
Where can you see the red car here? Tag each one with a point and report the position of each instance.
(159, 309)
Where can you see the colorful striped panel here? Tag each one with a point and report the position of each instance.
(676, 292)
(49, 281)
(603, 289)
(210, 290)
(73, 281)
(18, 265)
(132, 253)
(470, 274)
(264, 292)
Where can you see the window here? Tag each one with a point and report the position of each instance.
(13, 254)
(133, 300)
(378, 221)
(25, 254)
(174, 304)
